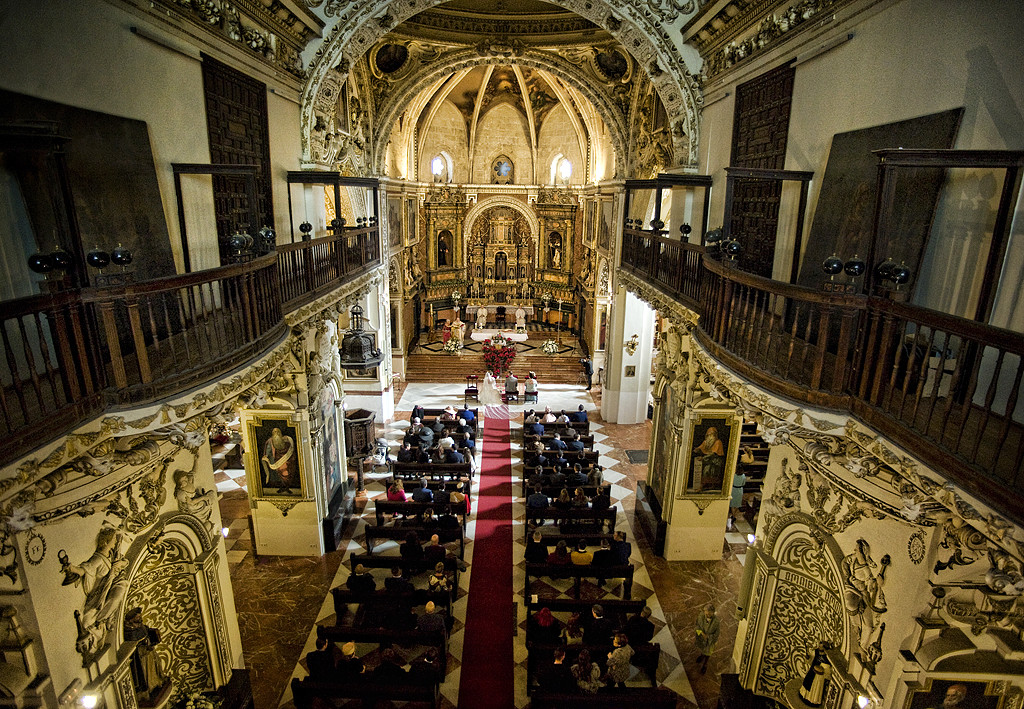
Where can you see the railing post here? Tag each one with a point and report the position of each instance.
(106, 309)
(141, 355)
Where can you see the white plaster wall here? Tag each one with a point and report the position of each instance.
(624, 399)
(558, 135)
(503, 131)
(914, 58)
(447, 132)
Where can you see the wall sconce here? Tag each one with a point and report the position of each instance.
(631, 344)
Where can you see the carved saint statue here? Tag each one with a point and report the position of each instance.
(102, 577)
(192, 501)
(863, 581)
(147, 676)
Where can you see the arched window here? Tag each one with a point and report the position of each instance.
(500, 266)
(441, 167)
(561, 170)
(502, 171)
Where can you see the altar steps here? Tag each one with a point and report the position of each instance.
(425, 367)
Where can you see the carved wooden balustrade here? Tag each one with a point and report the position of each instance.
(944, 388)
(67, 356)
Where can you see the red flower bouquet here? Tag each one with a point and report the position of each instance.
(498, 355)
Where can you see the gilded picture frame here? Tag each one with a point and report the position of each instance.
(275, 465)
(711, 455)
(395, 234)
(412, 208)
(955, 692)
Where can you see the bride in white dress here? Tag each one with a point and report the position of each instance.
(490, 399)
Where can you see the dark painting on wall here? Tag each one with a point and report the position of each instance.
(955, 694)
(604, 229)
(113, 180)
(394, 221)
(843, 219)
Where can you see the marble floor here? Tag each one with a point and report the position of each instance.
(280, 599)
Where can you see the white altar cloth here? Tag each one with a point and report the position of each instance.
(488, 333)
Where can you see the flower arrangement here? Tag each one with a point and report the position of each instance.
(452, 346)
(549, 347)
(197, 700)
(498, 355)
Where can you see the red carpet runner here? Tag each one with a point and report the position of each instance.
(486, 679)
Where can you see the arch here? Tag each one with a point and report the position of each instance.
(638, 30)
(398, 101)
(498, 201)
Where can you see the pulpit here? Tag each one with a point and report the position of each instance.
(359, 432)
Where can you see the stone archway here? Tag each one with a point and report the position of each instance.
(637, 28)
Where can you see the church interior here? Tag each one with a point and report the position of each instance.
(693, 330)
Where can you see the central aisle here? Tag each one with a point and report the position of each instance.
(487, 675)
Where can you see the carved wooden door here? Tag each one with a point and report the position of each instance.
(760, 128)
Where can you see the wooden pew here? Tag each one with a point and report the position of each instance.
(530, 457)
(433, 471)
(587, 441)
(554, 490)
(409, 508)
(580, 427)
(605, 518)
(593, 539)
(399, 533)
(387, 561)
(306, 691)
(660, 698)
(386, 601)
(578, 573)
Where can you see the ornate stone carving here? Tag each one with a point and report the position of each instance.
(197, 502)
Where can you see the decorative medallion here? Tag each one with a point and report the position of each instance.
(35, 548)
(702, 504)
(915, 547)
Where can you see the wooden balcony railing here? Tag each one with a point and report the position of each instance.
(65, 357)
(946, 389)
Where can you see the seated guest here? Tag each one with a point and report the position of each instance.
(360, 581)
(602, 501)
(586, 673)
(417, 412)
(435, 551)
(431, 620)
(438, 428)
(557, 677)
(467, 414)
(535, 429)
(423, 455)
(622, 548)
(320, 662)
(536, 550)
(538, 500)
(557, 444)
(576, 444)
(428, 520)
(563, 501)
(422, 493)
(548, 417)
(425, 669)
(468, 442)
(512, 385)
(390, 669)
(438, 581)
(446, 442)
(397, 583)
(562, 417)
(560, 555)
(411, 549)
(577, 476)
(535, 477)
(598, 629)
(459, 495)
(406, 454)
(583, 460)
(448, 414)
(543, 628)
(531, 384)
(559, 460)
(530, 417)
(605, 556)
(452, 456)
(425, 437)
(396, 493)
(539, 459)
(580, 556)
(596, 475)
(639, 628)
(412, 434)
(579, 500)
(464, 427)
(572, 634)
(348, 667)
(580, 415)
(442, 496)
(556, 477)
(449, 528)
(618, 665)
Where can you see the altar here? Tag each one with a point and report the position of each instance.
(482, 334)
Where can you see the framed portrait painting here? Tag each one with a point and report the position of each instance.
(395, 221)
(711, 457)
(604, 226)
(955, 693)
(275, 461)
